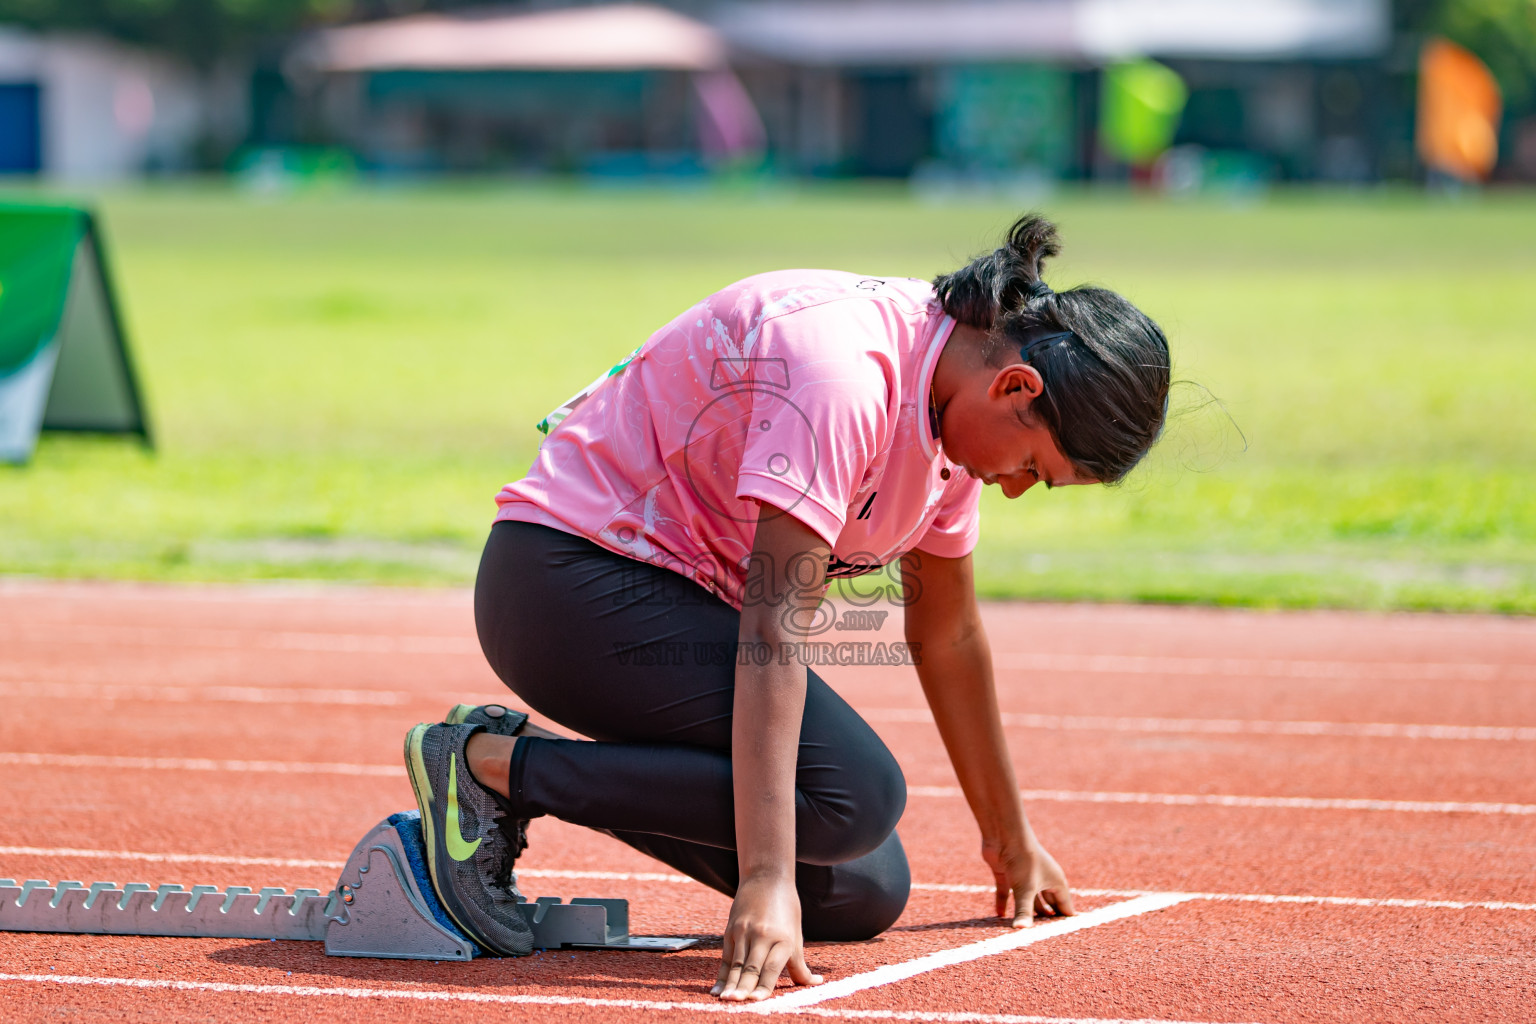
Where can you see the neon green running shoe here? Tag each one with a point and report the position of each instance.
(469, 855)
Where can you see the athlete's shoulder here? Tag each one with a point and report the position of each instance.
(779, 292)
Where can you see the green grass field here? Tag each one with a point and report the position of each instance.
(340, 382)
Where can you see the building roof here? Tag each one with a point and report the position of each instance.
(844, 32)
(613, 37)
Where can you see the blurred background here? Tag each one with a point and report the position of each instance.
(1187, 93)
(353, 250)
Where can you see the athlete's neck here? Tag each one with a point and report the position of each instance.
(959, 360)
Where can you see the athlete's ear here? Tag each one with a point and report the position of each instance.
(1019, 377)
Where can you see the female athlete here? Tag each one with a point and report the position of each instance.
(655, 583)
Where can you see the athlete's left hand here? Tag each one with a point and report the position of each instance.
(1027, 872)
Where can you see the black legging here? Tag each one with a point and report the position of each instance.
(641, 659)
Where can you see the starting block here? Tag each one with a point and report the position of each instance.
(382, 906)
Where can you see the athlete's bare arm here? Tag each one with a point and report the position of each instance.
(955, 668)
(784, 587)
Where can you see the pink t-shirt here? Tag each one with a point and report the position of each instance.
(804, 389)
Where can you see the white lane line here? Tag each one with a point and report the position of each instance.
(294, 862)
(1272, 668)
(15, 689)
(200, 764)
(1395, 902)
(203, 694)
(1014, 939)
(1305, 803)
(423, 995)
(969, 1018)
(674, 879)
(1073, 723)
(139, 856)
(240, 639)
(1079, 723)
(1110, 664)
(459, 996)
(170, 858)
(1231, 726)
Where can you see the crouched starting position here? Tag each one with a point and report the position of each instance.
(655, 583)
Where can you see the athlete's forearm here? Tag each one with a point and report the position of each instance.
(784, 587)
(956, 675)
(765, 739)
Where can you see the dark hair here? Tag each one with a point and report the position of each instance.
(1104, 362)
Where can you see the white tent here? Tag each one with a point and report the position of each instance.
(614, 37)
(602, 38)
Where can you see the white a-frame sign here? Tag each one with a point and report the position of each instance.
(63, 360)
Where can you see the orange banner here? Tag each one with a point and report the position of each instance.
(1459, 110)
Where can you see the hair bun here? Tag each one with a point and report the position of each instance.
(1003, 281)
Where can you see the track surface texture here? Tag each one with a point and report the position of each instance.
(1267, 816)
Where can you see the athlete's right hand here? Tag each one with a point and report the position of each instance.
(762, 937)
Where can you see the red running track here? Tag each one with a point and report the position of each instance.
(1348, 801)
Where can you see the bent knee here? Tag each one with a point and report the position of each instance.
(866, 819)
(865, 897)
(874, 914)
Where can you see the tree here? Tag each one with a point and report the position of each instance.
(1501, 32)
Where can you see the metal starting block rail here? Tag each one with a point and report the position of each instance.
(383, 906)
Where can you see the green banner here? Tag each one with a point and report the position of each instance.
(37, 250)
(1140, 109)
(63, 362)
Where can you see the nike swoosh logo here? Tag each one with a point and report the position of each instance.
(459, 848)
